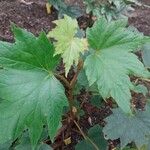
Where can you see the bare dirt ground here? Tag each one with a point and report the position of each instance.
(34, 18)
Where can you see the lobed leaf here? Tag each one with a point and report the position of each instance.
(31, 95)
(128, 128)
(111, 61)
(67, 44)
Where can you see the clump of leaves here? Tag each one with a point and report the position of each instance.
(111, 9)
(32, 97)
(64, 8)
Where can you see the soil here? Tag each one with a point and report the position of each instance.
(35, 19)
(141, 19)
(32, 17)
(146, 2)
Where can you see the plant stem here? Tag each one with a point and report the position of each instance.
(69, 92)
(86, 137)
(79, 67)
(70, 100)
(72, 84)
(147, 80)
(70, 87)
(62, 78)
(73, 81)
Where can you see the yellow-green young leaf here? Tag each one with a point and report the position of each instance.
(30, 95)
(67, 44)
(111, 61)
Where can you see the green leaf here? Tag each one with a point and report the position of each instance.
(114, 35)
(144, 147)
(6, 145)
(57, 3)
(111, 60)
(141, 89)
(63, 8)
(95, 134)
(110, 9)
(71, 10)
(148, 145)
(146, 54)
(82, 79)
(24, 144)
(127, 148)
(44, 147)
(128, 128)
(31, 95)
(67, 44)
(96, 100)
(82, 83)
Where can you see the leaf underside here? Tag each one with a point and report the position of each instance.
(146, 54)
(111, 60)
(31, 95)
(128, 128)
